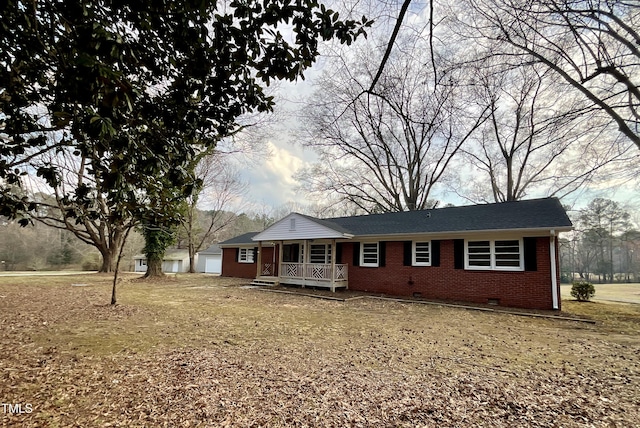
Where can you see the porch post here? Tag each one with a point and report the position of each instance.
(305, 257)
(280, 253)
(259, 261)
(333, 266)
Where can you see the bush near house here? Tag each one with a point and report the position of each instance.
(583, 290)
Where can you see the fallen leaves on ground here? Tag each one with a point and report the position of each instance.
(269, 360)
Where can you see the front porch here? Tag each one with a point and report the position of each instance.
(306, 253)
(305, 275)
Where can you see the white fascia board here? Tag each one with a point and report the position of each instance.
(245, 245)
(530, 232)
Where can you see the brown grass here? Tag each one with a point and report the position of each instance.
(201, 351)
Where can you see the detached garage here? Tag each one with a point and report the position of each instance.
(210, 260)
(174, 261)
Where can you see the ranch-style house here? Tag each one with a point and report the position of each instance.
(501, 254)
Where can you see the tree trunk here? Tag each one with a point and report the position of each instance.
(109, 252)
(192, 264)
(120, 250)
(113, 289)
(107, 261)
(154, 266)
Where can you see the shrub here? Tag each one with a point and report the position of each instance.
(92, 261)
(583, 290)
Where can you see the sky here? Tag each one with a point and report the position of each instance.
(271, 178)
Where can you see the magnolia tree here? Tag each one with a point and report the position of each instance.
(137, 88)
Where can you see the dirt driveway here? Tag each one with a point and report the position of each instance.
(624, 293)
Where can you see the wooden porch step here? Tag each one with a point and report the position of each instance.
(264, 282)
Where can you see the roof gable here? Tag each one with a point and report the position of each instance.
(298, 226)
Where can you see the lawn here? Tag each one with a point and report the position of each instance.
(620, 292)
(202, 351)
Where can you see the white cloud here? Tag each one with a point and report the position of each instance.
(272, 183)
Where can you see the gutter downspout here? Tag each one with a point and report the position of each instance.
(554, 271)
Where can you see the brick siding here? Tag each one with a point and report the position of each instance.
(231, 267)
(523, 289)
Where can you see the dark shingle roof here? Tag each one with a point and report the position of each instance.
(529, 214)
(241, 239)
(213, 249)
(545, 213)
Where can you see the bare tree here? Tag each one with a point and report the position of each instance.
(601, 222)
(591, 44)
(629, 250)
(540, 138)
(220, 196)
(386, 150)
(40, 247)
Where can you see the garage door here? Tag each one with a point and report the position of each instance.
(213, 264)
(170, 266)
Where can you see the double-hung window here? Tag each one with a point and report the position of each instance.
(504, 254)
(508, 254)
(369, 255)
(479, 254)
(245, 255)
(320, 253)
(421, 253)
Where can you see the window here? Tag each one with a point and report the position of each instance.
(143, 262)
(479, 254)
(507, 254)
(245, 255)
(292, 253)
(292, 224)
(369, 254)
(320, 253)
(422, 254)
(498, 254)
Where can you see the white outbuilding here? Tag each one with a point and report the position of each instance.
(210, 260)
(174, 261)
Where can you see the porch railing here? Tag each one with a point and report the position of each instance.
(316, 271)
(268, 269)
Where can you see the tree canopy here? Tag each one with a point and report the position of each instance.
(135, 86)
(591, 44)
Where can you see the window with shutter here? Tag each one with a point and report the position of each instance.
(505, 254)
(369, 254)
(245, 255)
(422, 253)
